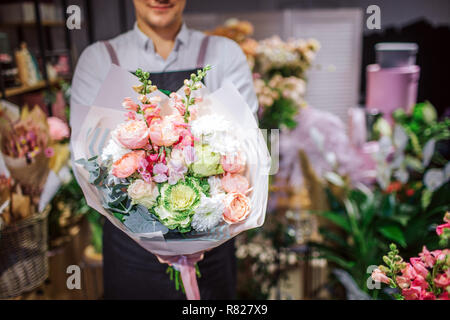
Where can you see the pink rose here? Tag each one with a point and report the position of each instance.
(419, 266)
(165, 132)
(237, 207)
(380, 276)
(128, 164)
(130, 105)
(235, 183)
(132, 134)
(58, 129)
(440, 228)
(233, 163)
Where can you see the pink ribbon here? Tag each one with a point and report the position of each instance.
(186, 265)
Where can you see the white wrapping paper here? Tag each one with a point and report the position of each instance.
(91, 128)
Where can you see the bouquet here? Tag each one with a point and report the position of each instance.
(182, 174)
(32, 153)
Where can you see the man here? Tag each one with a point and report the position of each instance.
(163, 45)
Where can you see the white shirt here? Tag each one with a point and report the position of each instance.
(135, 50)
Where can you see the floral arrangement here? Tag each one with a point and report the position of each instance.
(31, 146)
(176, 169)
(426, 277)
(279, 69)
(183, 168)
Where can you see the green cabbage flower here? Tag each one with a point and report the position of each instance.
(208, 163)
(177, 204)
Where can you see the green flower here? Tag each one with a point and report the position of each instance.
(177, 204)
(208, 163)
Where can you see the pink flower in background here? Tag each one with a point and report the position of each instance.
(427, 257)
(49, 152)
(420, 281)
(130, 105)
(419, 266)
(237, 207)
(380, 276)
(409, 272)
(128, 164)
(58, 129)
(412, 293)
(403, 282)
(233, 163)
(235, 183)
(132, 134)
(443, 280)
(440, 228)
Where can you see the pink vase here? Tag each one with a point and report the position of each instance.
(389, 89)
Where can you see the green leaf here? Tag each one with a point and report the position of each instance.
(337, 219)
(393, 233)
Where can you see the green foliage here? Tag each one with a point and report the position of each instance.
(280, 114)
(365, 222)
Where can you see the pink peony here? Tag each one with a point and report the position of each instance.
(235, 183)
(237, 207)
(130, 105)
(233, 163)
(165, 132)
(380, 276)
(132, 134)
(128, 164)
(58, 129)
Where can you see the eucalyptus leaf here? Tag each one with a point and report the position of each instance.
(141, 221)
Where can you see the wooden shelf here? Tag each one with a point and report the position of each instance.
(24, 89)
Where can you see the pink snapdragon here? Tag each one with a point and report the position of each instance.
(380, 276)
(130, 105)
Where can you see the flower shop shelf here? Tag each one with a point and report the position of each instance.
(10, 92)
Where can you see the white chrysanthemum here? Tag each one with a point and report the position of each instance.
(113, 151)
(217, 132)
(209, 212)
(215, 185)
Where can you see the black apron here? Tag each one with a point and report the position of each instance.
(131, 272)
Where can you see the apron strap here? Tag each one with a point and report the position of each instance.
(202, 53)
(112, 53)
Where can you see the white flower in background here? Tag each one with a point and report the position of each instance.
(215, 185)
(242, 252)
(209, 213)
(113, 151)
(435, 178)
(428, 151)
(400, 138)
